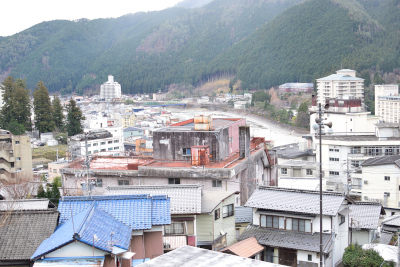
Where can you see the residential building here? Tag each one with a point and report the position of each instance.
(342, 156)
(380, 182)
(144, 146)
(296, 88)
(364, 222)
(124, 223)
(387, 102)
(15, 156)
(54, 169)
(216, 223)
(287, 223)
(344, 82)
(191, 256)
(133, 132)
(159, 96)
(298, 174)
(100, 141)
(391, 224)
(24, 225)
(128, 119)
(110, 89)
(185, 204)
(240, 105)
(348, 116)
(221, 157)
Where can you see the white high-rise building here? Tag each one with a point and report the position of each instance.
(343, 83)
(110, 89)
(387, 102)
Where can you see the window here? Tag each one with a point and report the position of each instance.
(187, 151)
(355, 163)
(342, 219)
(102, 143)
(333, 173)
(175, 228)
(17, 142)
(116, 147)
(309, 257)
(95, 144)
(336, 150)
(309, 172)
(284, 171)
(95, 151)
(102, 150)
(227, 211)
(18, 158)
(110, 148)
(387, 178)
(123, 182)
(174, 180)
(216, 183)
(54, 170)
(116, 141)
(89, 145)
(301, 225)
(109, 142)
(333, 159)
(387, 194)
(217, 214)
(99, 182)
(365, 198)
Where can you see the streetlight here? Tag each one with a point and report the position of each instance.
(320, 121)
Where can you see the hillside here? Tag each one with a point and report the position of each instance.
(262, 42)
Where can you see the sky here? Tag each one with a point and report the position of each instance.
(19, 15)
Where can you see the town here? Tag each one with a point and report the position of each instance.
(144, 180)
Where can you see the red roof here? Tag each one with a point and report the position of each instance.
(245, 248)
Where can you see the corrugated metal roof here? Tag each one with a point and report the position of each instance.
(185, 199)
(288, 239)
(188, 256)
(245, 248)
(23, 231)
(83, 227)
(137, 211)
(365, 216)
(295, 200)
(243, 214)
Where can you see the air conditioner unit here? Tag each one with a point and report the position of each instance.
(166, 246)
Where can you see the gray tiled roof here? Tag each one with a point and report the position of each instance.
(365, 216)
(295, 200)
(394, 220)
(24, 231)
(287, 239)
(385, 238)
(355, 138)
(185, 199)
(381, 160)
(243, 214)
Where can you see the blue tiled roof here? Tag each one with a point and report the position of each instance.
(137, 211)
(83, 227)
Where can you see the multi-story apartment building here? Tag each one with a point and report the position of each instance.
(110, 89)
(344, 82)
(387, 102)
(15, 156)
(296, 88)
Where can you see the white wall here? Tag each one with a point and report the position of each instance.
(76, 249)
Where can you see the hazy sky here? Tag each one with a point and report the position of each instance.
(18, 15)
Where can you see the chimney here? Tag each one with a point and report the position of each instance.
(244, 142)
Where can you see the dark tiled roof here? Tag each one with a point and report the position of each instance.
(295, 200)
(83, 227)
(292, 151)
(287, 239)
(23, 232)
(243, 214)
(385, 238)
(381, 160)
(365, 215)
(355, 138)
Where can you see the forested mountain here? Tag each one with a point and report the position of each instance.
(262, 42)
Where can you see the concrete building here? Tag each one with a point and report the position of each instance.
(110, 89)
(296, 88)
(54, 169)
(348, 116)
(387, 102)
(298, 174)
(15, 156)
(344, 82)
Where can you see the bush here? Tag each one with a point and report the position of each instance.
(355, 256)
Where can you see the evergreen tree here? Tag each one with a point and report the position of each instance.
(17, 107)
(58, 115)
(43, 110)
(74, 118)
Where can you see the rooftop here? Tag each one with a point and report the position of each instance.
(188, 125)
(25, 204)
(384, 160)
(366, 215)
(356, 138)
(189, 256)
(291, 151)
(245, 248)
(340, 77)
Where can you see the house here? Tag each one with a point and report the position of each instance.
(287, 223)
(54, 169)
(391, 224)
(218, 154)
(145, 215)
(128, 119)
(243, 217)
(133, 131)
(185, 204)
(247, 248)
(91, 232)
(299, 174)
(15, 156)
(240, 105)
(380, 182)
(365, 222)
(24, 224)
(191, 256)
(344, 82)
(216, 223)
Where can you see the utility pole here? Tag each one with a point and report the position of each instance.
(398, 249)
(87, 162)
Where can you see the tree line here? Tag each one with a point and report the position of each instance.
(15, 114)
